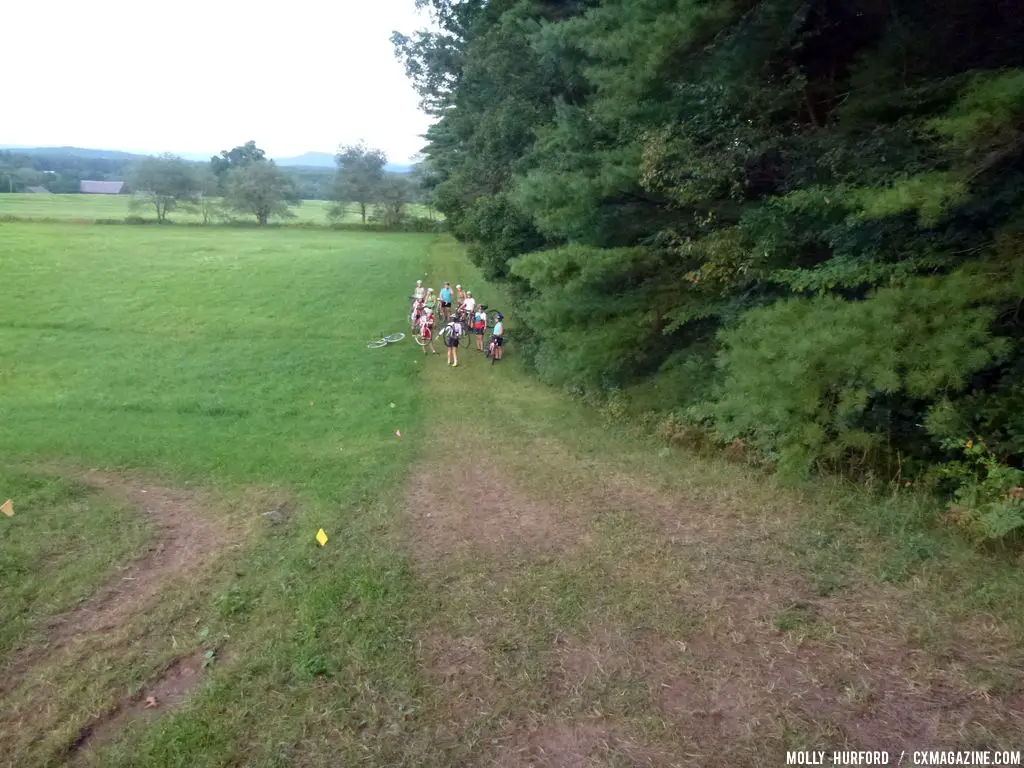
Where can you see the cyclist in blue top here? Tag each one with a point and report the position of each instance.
(446, 300)
(498, 336)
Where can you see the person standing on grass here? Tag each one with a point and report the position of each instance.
(498, 335)
(460, 294)
(417, 313)
(446, 300)
(452, 332)
(427, 330)
(480, 326)
(430, 302)
(420, 291)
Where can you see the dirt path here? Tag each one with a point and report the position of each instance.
(596, 610)
(111, 628)
(667, 630)
(184, 541)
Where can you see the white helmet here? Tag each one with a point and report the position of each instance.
(458, 286)
(419, 282)
(428, 311)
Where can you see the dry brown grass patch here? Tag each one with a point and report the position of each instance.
(573, 744)
(702, 632)
(475, 507)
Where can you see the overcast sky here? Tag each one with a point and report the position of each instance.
(205, 75)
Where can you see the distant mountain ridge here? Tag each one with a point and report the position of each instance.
(318, 160)
(309, 160)
(326, 160)
(101, 154)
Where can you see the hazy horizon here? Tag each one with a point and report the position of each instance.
(195, 156)
(303, 79)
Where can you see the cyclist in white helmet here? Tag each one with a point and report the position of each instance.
(427, 330)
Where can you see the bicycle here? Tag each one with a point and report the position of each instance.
(384, 341)
(491, 347)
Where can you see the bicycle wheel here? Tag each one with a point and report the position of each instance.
(376, 344)
(394, 338)
(421, 341)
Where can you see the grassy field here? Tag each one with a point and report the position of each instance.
(514, 581)
(89, 208)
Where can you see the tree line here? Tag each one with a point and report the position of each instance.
(790, 226)
(244, 181)
(61, 173)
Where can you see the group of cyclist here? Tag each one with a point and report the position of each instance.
(458, 313)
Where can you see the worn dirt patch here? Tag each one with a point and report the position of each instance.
(578, 744)
(185, 541)
(460, 670)
(476, 507)
(174, 685)
(718, 648)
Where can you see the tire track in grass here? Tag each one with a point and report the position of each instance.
(103, 629)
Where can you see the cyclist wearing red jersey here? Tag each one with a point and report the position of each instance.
(427, 330)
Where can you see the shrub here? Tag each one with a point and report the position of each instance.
(804, 377)
(988, 502)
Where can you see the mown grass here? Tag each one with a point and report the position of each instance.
(229, 359)
(89, 208)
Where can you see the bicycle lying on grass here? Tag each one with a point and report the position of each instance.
(384, 341)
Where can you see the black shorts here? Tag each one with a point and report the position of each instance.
(453, 343)
(498, 340)
(446, 304)
(478, 331)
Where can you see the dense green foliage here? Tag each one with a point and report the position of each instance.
(802, 218)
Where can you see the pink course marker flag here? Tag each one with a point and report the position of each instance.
(398, 433)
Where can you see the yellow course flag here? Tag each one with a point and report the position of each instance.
(7, 508)
(321, 537)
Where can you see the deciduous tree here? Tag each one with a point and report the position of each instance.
(262, 190)
(163, 182)
(360, 178)
(235, 158)
(394, 194)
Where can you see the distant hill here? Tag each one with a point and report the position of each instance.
(98, 154)
(308, 160)
(326, 160)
